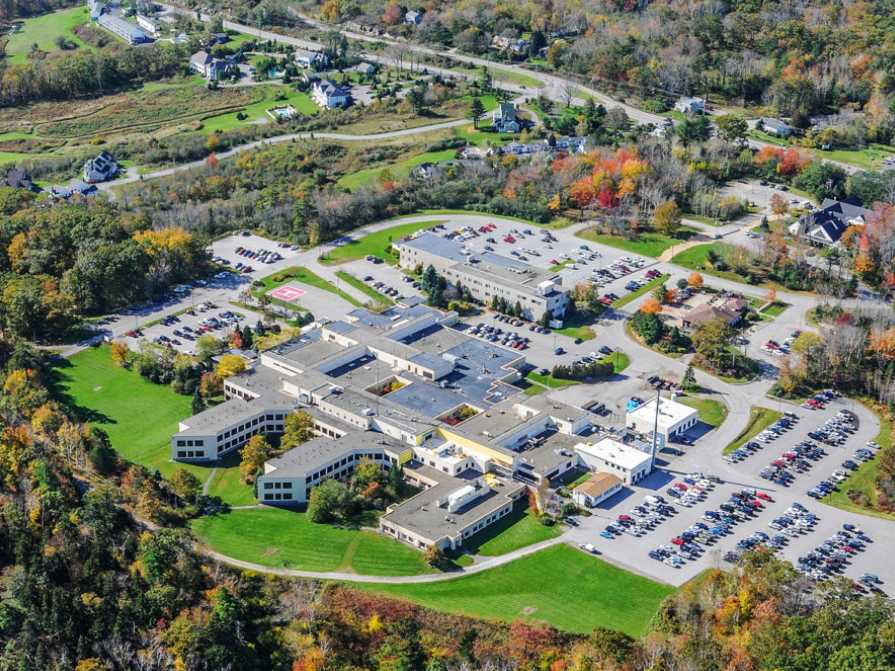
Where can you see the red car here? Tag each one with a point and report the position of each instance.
(677, 540)
(625, 518)
(509, 238)
(681, 486)
(763, 496)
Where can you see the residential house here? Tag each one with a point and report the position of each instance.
(329, 95)
(97, 8)
(825, 226)
(776, 127)
(689, 105)
(366, 69)
(312, 60)
(148, 24)
(100, 169)
(730, 310)
(17, 178)
(213, 69)
(505, 120)
(514, 45)
(413, 17)
(76, 188)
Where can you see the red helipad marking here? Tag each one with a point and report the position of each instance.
(286, 293)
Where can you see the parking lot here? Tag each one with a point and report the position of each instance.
(705, 523)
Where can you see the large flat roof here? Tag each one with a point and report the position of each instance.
(615, 452)
(670, 412)
(299, 461)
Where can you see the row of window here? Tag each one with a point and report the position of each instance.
(190, 454)
(278, 497)
(190, 442)
(277, 485)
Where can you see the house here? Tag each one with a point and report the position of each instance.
(596, 489)
(126, 30)
(505, 120)
(100, 169)
(76, 188)
(97, 9)
(149, 25)
(673, 418)
(776, 127)
(312, 60)
(181, 38)
(825, 226)
(17, 178)
(364, 68)
(329, 95)
(689, 105)
(209, 67)
(413, 17)
(515, 45)
(703, 314)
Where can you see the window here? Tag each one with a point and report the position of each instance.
(268, 485)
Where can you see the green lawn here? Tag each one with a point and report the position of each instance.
(139, 416)
(711, 412)
(398, 170)
(274, 96)
(304, 276)
(774, 310)
(646, 244)
(549, 381)
(286, 538)
(634, 295)
(360, 285)
(702, 219)
(869, 158)
(696, 258)
(375, 243)
(759, 419)
(561, 585)
(518, 78)
(226, 484)
(43, 31)
(514, 531)
(864, 479)
(618, 359)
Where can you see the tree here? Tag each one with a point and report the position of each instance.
(120, 353)
(254, 453)
(651, 306)
(297, 429)
(186, 485)
(688, 382)
(198, 403)
(230, 364)
(476, 111)
(696, 128)
(711, 340)
(328, 501)
(434, 556)
(695, 280)
(779, 206)
(667, 218)
(822, 180)
(732, 127)
(648, 326)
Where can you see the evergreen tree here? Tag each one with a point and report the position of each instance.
(198, 403)
(476, 111)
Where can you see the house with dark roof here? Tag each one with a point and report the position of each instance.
(825, 226)
(776, 127)
(505, 120)
(329, 95)
(100, 169)
(17, 178)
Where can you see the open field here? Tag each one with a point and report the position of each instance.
(256, 111)
(759, 419)
(398, 170)
(226, 484)
(285, 538)
(646, 244)
(514, 531)
(375, 243)
(44, 30)
(711, 412)
(560, 585)
(139, 416)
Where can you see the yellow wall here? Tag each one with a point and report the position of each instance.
(477, 448)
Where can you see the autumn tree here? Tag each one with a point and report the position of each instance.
(254, 453)
(230, 364)
(667, 218)
(695, 280)
(298, 428)
(120, 353)
(651, 306)
(779, 206)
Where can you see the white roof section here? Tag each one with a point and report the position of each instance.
(615, 452)
(670, 412)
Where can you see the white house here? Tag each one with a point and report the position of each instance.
(312, 60)
(776, 127)
(674, 418)
(209, 67)
(149, 25)
(689, 105)
(329, 95)
(593, 491)
(413, 17)
(504, 119)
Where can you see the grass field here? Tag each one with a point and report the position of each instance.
(696, 258)
(274, 96)
(375, 243)
(226, 484)
(634, 295)
(549, 381)
(774, 310)
(864, 479)
(365, 288)
(304, 276)
(759, 419)
(514, 531)
(711, 412)
(560, 585)
(520, 78)
(44, 30)
(646, 244)
(139, 416)
(398, 170)
(285, 538)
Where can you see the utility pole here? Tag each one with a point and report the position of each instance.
(652, 463)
